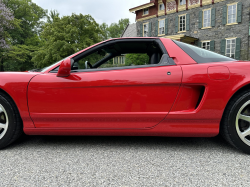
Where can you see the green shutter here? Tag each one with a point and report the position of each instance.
(200, 19)
(176, 23)
(166, 26)
(149, 29)
(224, 22)
(212, 48)
(223, 47)
(156, 28)
(239, 12)
(213, 17)
(199, 44)
(141, 30)
(188, 22)
(238, 47)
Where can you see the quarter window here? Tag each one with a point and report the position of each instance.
(161, 6)
(207, 18)
(230, 47)
(182, 23)
(161, 27)
(145, 29)
(231, 13)
(145, 11)
(182, 2)
(206, 45)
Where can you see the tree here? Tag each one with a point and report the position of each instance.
(66, 36)
(116, 29)
(105, 33)
(136, 59)
(6, 23)
(52, 16)
(25, 37)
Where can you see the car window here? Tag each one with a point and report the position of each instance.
(121, 60)
(202, 55)
(119, 54)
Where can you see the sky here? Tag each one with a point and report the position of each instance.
(108, 11)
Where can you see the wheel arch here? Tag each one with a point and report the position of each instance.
(9, 96)
(240, 90)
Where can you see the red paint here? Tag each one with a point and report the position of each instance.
(218, 73)
(105, 99)
(179, 56)
(142, 102)
(65, 68)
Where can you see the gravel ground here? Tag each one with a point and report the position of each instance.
(123, 161)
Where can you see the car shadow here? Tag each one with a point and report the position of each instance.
(168, 143)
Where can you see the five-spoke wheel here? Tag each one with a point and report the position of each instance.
(4, 122)
(10, 121)
(235, 126)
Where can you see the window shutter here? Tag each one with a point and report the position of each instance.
(223, 47)
(149, 29)
(156, 28)
(239, 12)
(188, 22)
(141, 30)
(238, 47)
(212, 46)
(200, 19)
(199, 44)
(213, 17)
(176, 23)
(166, 26)
(224, 22)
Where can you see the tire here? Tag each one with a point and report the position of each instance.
(235, 126)
(10, 121)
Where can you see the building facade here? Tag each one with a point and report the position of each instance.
(217, 25)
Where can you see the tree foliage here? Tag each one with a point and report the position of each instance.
(6, 23)
(25, 37)
(136, 59)
(115, 30)
(27, 41)
(66, 36)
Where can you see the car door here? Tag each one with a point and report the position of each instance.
(125, 98)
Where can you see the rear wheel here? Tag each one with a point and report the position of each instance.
(10, 121)
(235, 127)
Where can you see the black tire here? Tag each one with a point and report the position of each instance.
(232, 126)
(14, 129)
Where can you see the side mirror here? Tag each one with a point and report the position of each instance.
(65, 68)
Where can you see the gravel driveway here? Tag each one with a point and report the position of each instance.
(123, 161)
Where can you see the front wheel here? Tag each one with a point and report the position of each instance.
(10, 121)
(235, 127)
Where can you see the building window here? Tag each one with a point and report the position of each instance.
(161, 6)
(205, 45)
(182, 23)
(230, 47)
(161, 27)
(145, 29)
(182, 2)
(207, 18)
(232, 13)
(145, 11)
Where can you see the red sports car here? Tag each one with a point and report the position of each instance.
(131, 87)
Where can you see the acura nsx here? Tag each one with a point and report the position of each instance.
(131, 87)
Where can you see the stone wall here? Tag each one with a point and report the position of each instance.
(216, 33)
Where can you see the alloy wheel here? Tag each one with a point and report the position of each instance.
(243, 123)
(4, 121)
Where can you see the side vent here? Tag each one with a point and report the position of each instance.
(189, 98)
(202, 91)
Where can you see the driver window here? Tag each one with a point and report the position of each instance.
(120, 55)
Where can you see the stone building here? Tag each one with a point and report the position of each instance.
(217, 25)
